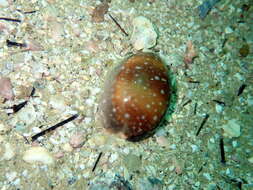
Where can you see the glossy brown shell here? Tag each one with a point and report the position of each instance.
(136, 96)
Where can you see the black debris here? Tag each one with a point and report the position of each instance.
(241, 89)
(96, 163)
(202, 124)
(54, 127)
(15, 44)
(10, 19)
(222, 152)
(116, 22)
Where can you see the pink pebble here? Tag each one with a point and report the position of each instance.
(6, 88)
(77, 140)
(59, 155)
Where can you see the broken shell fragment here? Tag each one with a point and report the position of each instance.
(136, 97)
(144, 35)
(6, 88)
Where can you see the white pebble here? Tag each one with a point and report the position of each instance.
(9, 152)
(38, 154)
(219, 108)
(232, 129)
(251, 160)
(194, 148)
(228, 30)
(113, 157)
(28, 114)
(11, 176)
(162, 141)
(207, 176)
(58, 102)
(67, 148)
(87, 120)
(144, 35)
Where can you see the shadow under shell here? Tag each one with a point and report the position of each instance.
(136, 96)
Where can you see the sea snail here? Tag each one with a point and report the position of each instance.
(136, 96)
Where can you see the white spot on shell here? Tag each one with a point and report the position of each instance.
(157, 78)
(155, 118)
(162, 92)
(127, 116)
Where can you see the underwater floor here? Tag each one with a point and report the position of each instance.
(55, 56)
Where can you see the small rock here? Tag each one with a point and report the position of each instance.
(219, 108)
(144, 35)
(113, 157)
(77, 140)
(132, 162)
(178, 170)
(98, 140)
(190, 53)
(38, 154)
(67, 148)
(33, 45)
(3, 27)
(57, 31)
(28, 114)
(58, 103)
(251, 160)
(6, 88)
(228, 30)
(244, 50)
(99, 12)
(59, 155)
(9, 152)
(3, 129)
(11, 176)
(162, 141)
(232, 129)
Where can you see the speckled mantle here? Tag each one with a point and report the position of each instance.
(68, 74)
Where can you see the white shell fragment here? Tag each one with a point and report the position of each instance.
(28, 114)
(9, 152)
(232, 129)
(144, 35)
(38, 154)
